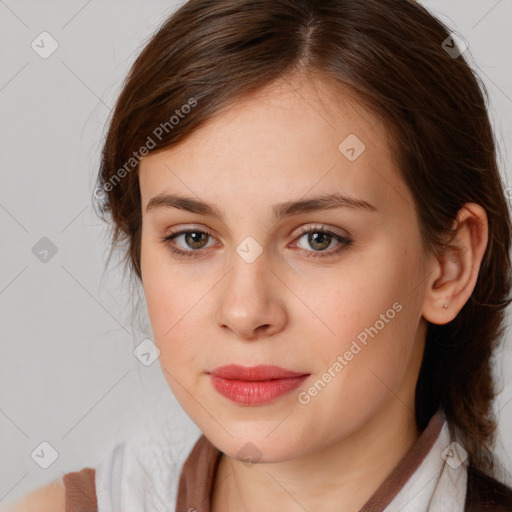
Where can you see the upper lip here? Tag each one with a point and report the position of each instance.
(254, 373)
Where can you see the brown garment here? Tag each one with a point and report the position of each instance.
(80, 491)
(484, 494)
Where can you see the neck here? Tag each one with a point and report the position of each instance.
(342, 476)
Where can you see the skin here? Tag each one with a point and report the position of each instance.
(48, 498)
(297, 312)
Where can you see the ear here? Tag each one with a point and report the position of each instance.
(455, 269)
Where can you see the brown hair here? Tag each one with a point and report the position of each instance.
(389, 53)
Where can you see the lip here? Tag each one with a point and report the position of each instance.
(255, 385)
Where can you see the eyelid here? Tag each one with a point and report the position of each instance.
(188, 227)
(320, 227)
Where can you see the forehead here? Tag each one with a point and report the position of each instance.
(292, 138)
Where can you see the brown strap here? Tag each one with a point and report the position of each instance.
(80, 491)
(485, 493)
(409, 463)
(197, 477)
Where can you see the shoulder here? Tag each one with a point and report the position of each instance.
(486, 493)
(48, 498)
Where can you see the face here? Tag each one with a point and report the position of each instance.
(331, 290)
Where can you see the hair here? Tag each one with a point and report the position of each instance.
(389, 53)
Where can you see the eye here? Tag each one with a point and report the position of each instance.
(194, 238)
(320, 238)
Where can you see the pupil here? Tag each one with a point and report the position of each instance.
(192, 235)
(313, 240)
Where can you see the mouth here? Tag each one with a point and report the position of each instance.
(255, 385)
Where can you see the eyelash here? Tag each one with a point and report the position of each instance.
(344, 242)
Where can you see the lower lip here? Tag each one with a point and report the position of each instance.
(256, 392)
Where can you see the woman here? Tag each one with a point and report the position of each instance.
(308, 192)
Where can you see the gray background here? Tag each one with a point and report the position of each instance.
(68, 375)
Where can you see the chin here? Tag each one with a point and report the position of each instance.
(256, 446)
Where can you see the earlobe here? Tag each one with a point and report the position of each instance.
(457, 266)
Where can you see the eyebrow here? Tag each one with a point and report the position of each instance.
(279, 210)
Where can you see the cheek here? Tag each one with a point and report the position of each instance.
(171, 314)
(354, 299)
(372, 316)
(168, 300)
(163, 283)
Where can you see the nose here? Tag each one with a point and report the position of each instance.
(251, 301)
